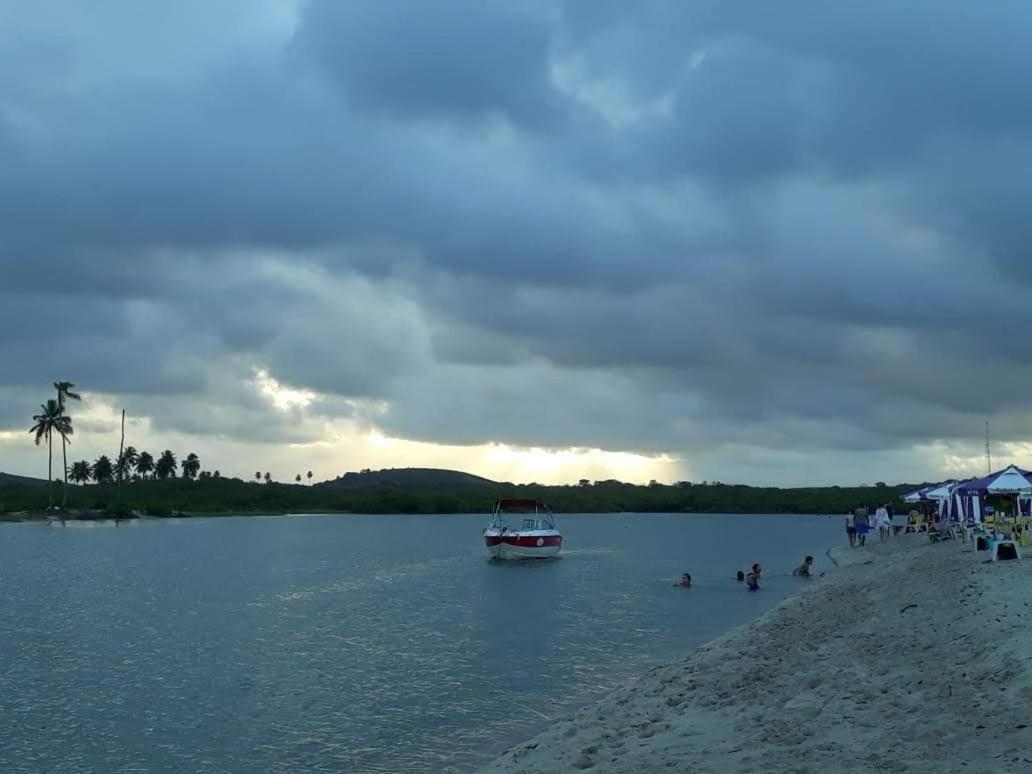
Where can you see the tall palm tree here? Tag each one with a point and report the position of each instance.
(144, 464)
(297, 478)
(166, 465)
(190, 466)
(127, 461)
(258, 475)
(80, 472)
(309, 478)
(103, 470)
(51, 421)
(268, 477)
(64, 390)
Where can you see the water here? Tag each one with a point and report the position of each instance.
(348, 643)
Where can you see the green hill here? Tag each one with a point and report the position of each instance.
(10, 480)
(406, 478)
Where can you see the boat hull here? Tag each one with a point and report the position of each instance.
(523, 546)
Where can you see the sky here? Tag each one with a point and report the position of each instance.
(538, 240)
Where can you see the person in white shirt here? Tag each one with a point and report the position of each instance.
(851, 529)
(883, 522)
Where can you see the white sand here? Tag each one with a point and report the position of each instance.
(836, 679)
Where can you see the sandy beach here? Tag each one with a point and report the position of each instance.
(906, 657)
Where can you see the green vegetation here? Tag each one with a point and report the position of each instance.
(50, 422)
(64, 391)
(151, 487)
(218, 495)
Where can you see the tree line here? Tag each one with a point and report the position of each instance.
(132, 465)
(54, 422)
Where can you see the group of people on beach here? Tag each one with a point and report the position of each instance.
(859, 522)
(751, 579)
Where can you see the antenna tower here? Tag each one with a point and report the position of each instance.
(988, 454)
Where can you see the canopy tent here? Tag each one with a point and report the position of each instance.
(1010, 480)
(970, 496)
(942, 491)
(917, 496)
(930, 494)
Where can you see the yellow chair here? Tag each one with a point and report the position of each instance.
(1021, 532)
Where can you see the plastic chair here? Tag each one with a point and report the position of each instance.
(1005, 549)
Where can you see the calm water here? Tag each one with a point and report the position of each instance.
(348, 643)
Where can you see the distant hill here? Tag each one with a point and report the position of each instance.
(8, 479)
(406, 478)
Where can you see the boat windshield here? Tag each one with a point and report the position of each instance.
(532, 524)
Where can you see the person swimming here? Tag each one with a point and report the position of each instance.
(804, 569)
(685, 582)
(740, 576)
(752, 581)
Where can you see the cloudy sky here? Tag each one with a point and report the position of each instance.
(533, 239)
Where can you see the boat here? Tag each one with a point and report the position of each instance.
(536, 538)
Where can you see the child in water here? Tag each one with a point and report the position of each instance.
(804, 569)
(685, 582)
(740, 576)
(752, 580)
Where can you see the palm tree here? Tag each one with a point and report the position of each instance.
(80, 472)
(166, 465)
(64, 390)
(103, 470)
(190, 466)
(51, 421)
(126, 462)
(144, 464)
(309, 478)
(297, 478)
(216, 474)
(268, 477)
(258, 476)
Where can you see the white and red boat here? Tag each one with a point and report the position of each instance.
(535, 538)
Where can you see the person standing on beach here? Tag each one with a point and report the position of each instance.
(851, 529)
(863, 524)
(882, 522)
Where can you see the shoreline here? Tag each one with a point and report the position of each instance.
(22, 517)
(904, 657)
(88, 514)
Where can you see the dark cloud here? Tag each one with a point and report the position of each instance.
(451, 60)
(683, 228)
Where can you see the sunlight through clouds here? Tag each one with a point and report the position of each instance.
(283, 398)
